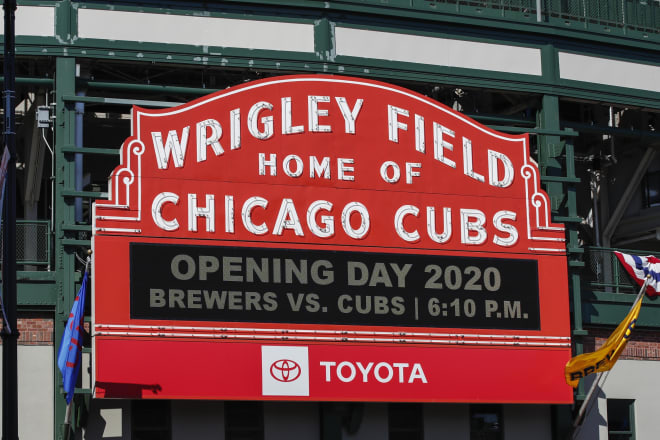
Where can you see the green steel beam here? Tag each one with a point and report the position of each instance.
(36, 293)
(498, 119)
(95, 151)
(350, 13)
(324, 39)
(35, 276)
(31, 80)
(107, 85)
(560, 179)
(78, 228)
(381, 69)
(434, 14)
(607, 308)
(569, 219)
(119, 101)
(64, 178)
(560, 183)
(66, 21)
(75, 242)
(604, 129)
(35, 288)
(86, 194)
(530, 130)
(550, 150)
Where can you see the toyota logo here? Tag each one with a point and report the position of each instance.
(285, 370)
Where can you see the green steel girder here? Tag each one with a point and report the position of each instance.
(378, 69)
(117, 101)
(36, 289)
(64, 178)
(96, 151)
(465, 16)
(323, 60)
(604, 308)
(559, 182)
(87, 194)
(31, 80)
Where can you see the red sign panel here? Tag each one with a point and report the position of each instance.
(327, 238)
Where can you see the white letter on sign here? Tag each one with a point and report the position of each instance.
(246, 215)
(398, 222)
(431, 227)
(510, 229)
(417, 373)
(493, 174)
(157, 211)
(440, 144)
(351, 371)
(327, 365)
(287, 128)
(314, 112)
(328, 229)
(467, 161)
(235, 128)
(365, 371)
(287, 166)
(362, 230)
(253, 121)
(287, 218)
(393, 122)
(172, 146)
(476, 226)
(263, 163)
(420, 139)
(195, 211)
(349, 115)
(396, 172)
(388, 369)
(411, 172)
(204, 141)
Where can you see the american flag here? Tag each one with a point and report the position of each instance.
(641, 268)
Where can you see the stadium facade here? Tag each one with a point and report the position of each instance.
(580, 77)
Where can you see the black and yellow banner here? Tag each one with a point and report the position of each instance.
(604, 358)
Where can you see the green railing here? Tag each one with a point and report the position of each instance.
(606, 15)
(33, 244)
(604, 273)
(642, 15)
(608, 291)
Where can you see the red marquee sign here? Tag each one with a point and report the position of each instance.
(327, 238)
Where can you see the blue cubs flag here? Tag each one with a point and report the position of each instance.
(642, 267)
(69, 355)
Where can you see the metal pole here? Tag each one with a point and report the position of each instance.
(9, 336)
(597, 382)
(78, 142)
(587, 399)
(67, 422)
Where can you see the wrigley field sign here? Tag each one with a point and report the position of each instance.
(344, 239)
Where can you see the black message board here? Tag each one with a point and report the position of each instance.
(238, 284)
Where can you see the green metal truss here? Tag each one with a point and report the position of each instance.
(65, 262)
(410, 20)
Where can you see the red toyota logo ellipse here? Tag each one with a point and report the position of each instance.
(285, 370)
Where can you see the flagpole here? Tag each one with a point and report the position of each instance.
(578, 419)
(10, 332)
(67, 421)
(66, 426)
